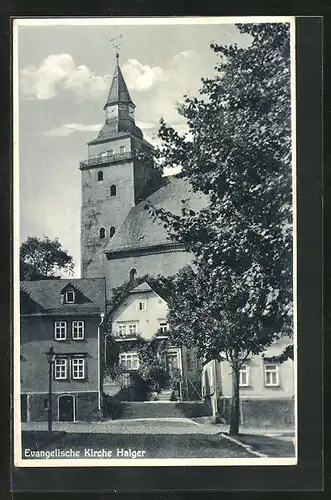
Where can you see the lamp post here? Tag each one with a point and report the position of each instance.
(50, 358)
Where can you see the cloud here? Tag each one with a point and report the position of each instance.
(70, 128)
(141, 77)
(181, 75)
(151, 129)
(57, 72)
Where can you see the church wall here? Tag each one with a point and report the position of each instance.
(143, 171)
(165, 264)
(100, 209)
(115, 145)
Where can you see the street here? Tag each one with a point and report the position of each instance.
(159, 438)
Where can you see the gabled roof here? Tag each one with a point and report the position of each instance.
(143, 287)
(118, 90)
(69, 286)
(140, 231)
(45, 295)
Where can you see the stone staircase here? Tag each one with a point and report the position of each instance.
(162, 409)
(164, 396)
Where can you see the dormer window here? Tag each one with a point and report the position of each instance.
(70, 297)
(131, 111)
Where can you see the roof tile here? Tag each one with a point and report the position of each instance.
(140, 231)
(47, 295)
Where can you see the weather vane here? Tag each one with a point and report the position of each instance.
(116, 45)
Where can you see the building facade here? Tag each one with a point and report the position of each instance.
(266, 386)
(143, 314)
(67, 316)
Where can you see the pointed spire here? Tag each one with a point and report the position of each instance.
(118, 90)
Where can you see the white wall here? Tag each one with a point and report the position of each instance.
(148, 321)
(257, 387)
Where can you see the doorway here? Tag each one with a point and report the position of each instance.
(172, 362)
(173, 370)
(66, 408)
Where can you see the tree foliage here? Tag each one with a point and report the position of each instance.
(238, 297)
(43, 259)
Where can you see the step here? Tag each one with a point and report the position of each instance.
(163, 409)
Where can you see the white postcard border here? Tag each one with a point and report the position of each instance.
(128, 21)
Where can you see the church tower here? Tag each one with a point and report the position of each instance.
(114, 177)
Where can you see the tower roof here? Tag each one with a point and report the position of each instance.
(118, 90)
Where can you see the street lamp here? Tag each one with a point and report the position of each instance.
(50, 358)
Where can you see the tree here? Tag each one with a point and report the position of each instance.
(43, 259)
(238, 153)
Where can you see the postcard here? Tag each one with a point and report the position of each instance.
(155, 242)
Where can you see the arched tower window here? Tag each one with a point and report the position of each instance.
(113, 190)
(132, 274)
(100, 175)
(102, 233)
(111, 231)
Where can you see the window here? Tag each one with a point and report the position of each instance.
(127, 329)
(163, 326)
(142, 305)
(271, 375)
(78, 368)
(102, 233)
(132, 328)
(60, 330)
(100, 175)
(111, 231)
(129, 360)
(77, 330)
(122, 150)
(70, 297)
(121, 329)
(113, 190)
(45, 403)
(60, 368)
(132, 274)
(244, 376)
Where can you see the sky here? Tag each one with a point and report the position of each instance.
(64, 74)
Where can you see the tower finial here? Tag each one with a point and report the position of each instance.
(116, 46)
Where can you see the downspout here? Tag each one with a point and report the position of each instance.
(102, 316)
(181, 374)
(216, 415)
